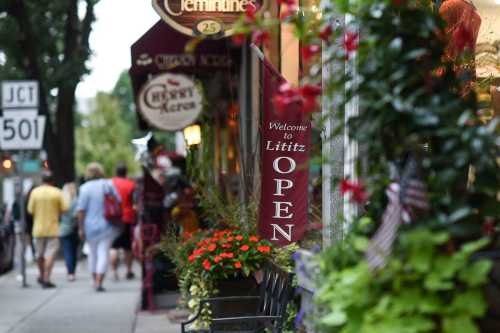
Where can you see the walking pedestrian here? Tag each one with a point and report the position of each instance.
(68, 231)
(46, 204)
(29, 224)
(93, 226)
(125, 188)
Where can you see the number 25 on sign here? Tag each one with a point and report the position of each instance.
(21, 129)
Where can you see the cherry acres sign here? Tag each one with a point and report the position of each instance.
(170, 102)
(214, 18)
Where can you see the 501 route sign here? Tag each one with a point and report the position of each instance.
(21, 128)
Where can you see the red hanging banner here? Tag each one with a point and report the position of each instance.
(285, 142)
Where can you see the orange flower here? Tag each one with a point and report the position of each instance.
(207, 265)
(198, 251)
(264, 249)
(244, 248)
(237, 265)
(254, 239)
(217, 259)
(239, 238)
(212, 247)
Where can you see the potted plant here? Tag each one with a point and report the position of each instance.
(218, 262)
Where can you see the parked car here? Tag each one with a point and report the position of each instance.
(7, 244)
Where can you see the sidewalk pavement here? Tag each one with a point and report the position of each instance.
(74, 307)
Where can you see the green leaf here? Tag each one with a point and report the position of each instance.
(361, 243)
(459, 325)
(476, 274)
(474, 246)
(469, 303)
(435, 282)
(430, 304)
(334, 318)
(459, 214)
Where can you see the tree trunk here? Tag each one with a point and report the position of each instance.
(63, 164)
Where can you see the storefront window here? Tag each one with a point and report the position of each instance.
(488, 57)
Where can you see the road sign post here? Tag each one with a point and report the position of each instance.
(21, 129)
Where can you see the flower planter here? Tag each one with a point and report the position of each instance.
(239, 286)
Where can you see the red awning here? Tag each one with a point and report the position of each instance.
(163, 49)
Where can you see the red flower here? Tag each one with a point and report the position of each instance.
(308, 51)
(325, 33)
(291, 7)
(264, 249)
(260, 37)
(287, 2)
(226, 246)
(192, 258)
(305, 97)
(198, 251)
(286, 96)
(310, 91)
(217, 259)
(227, 255)
(357, 190)
(212, 247)
(230, 239)
(289, 12)
(488, 228)
(244, 248)
(462, 39)
(350, 42)
(251, 12)
(237, 265)
(239, 39)
(239, 238)
(253, 239)
(207, 265)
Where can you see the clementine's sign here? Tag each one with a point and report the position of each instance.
(170, 101)
(203, 17)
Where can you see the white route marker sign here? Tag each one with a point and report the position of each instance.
(21, 129)
(19, 94)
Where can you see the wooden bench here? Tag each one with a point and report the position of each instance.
(270, 311)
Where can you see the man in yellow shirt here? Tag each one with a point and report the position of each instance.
(46, 203)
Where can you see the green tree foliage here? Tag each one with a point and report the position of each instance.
(122, 91)
(104, 137)
(48, 41)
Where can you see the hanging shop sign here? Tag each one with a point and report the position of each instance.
(170, 101)
(163, 48)
(285, 139)
(214, 18)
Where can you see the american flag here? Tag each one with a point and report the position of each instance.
(405, 198)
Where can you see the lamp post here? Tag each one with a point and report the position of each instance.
(192, 135)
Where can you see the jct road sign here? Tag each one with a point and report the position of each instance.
(19, 94)
(21, 129)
